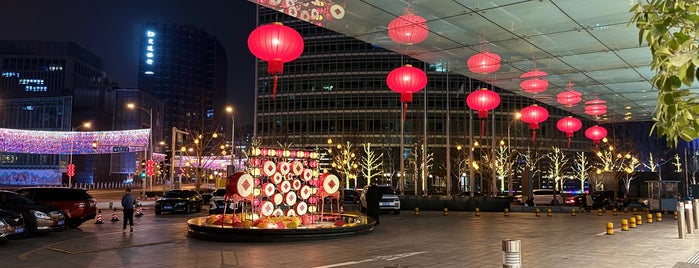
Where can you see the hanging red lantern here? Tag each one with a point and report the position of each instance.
(276, 44)
(484, 63)
(408, 29)
(406, 80)
(534, 115)
(596, 107)
(483, 100)
(596, 134)
(535, 84)
(568, 125)
(570, 97)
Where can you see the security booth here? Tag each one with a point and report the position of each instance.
(663, 195)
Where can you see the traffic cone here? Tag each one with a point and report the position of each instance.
(99, 217)
(114, 215)
(139, 211)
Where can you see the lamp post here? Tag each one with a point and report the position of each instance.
(517, 117)
(230, 110)
(149, 153)
(70, 157)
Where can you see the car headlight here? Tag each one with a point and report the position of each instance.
(40, 215)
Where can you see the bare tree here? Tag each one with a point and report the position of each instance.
(581, 168)
(504, 166)
(558, 163)
(371, 163)
(531, 162)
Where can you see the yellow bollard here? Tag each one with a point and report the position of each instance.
(507, 212)
(675, 214)
(659, 217)
(632, 222)
(538, 212)
(417, 211)
(548, 212)
(599, 212)
(639, 220)
(626, 210)
(634, 211)
(477, 211)
(572, 212)
(610, 228)
(649, 218)
(614, 211)
(664, 211)
(604, 210)
(624, 224)
(446, 211)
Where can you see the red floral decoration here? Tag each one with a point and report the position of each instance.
(276, 44)
(483, 100)
(596, 134)
(484, 63)
(408, 29)
(568, 125)
(570, 97)
(406, 80)
(534, 115)
(535, 84)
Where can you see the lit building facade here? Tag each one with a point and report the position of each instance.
(336, 90)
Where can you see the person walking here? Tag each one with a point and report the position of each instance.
(373, 197)
(128, 202)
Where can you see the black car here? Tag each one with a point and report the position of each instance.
(37, 218)
(179, 201)
(11, 225)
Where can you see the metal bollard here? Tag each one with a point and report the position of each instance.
(632, 222)
(624, 224)
(538, 212)
(658, 216)
(639, 220)
(511, 253)
(477, 211)
(681, 228)
(689, 217)
(610, 228)
(649, 218)
(417, 211)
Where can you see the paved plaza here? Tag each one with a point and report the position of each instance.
(429, 239)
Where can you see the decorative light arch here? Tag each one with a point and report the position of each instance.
(67, 142)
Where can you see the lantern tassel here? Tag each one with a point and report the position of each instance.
(568, 142)
(533, 136)
(482, 128)
(274, 88)
(405, 110)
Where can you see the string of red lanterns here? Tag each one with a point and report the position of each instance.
(276, 44)
(408, 29)
(534, 114)
(483, 100)
(568, 125)
(406, 80)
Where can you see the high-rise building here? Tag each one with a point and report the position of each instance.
(336, 92)
(186, 68)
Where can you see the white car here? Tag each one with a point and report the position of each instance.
(542, 197)
(389, 200)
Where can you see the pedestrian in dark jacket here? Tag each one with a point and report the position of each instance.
(373, 197)
(128, 202)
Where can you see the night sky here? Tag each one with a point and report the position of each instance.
(111, 30)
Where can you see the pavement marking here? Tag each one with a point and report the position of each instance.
(694, 259)
(377, 258)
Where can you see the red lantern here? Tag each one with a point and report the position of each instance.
(483, 100)
(570, 97)
(596, 133)
(406, 80)
(535, 84)
(408, 29)
(276, 44)
(569, 125)
(596, 107)
(484, 63)
(534, 115)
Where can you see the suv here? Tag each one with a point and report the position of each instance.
(389, 200)
(542, 197)
(179, 201)
(77, 204)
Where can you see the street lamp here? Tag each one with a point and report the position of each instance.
(149, 153)
(518, 115)
(230, 110)
(71, 168)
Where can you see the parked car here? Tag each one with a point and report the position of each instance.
(606, 199)
(179, 201)
(576, 200)
(217, 203)
(206, 194)
(542, 197)
(11, 225)
(77, 204)
(37, 218)
(389, 201)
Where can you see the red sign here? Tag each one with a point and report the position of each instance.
(150, 167)
(71, 170)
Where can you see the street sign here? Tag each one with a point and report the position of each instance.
(120, 149)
